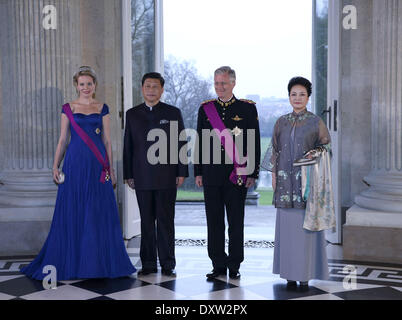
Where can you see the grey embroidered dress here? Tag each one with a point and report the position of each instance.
(294, 135)
(299, 254)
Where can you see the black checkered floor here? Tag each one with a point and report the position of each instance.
(373, 281)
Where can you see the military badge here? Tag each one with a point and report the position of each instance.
(206, 101)
(248, 101)
(237, 118)
(236, 131)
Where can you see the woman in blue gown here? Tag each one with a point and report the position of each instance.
(85, 239)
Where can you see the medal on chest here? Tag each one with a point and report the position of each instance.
(236, 131)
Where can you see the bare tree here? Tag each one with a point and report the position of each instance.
(186, 89)
(142, 40)
(142, 20)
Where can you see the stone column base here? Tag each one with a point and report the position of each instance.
(23, 231)
(372, 236)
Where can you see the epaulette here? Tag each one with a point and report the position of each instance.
(248, 101)
(206, 101)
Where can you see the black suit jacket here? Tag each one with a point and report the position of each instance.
(240, 114)
(140, 120)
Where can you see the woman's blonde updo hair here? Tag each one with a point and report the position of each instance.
(85, 71)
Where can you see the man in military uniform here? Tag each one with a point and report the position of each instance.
(241, 119)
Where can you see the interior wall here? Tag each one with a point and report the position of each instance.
(37, 66)
(1, 123)
(102, 49)
(355, 101)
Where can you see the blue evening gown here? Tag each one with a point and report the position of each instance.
(85, 239)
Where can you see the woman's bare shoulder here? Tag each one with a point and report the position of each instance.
(73, 104)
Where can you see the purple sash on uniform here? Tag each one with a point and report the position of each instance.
(91, 145)
(236, 176)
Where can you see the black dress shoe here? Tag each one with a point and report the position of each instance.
(168, 272)
(216, 273)
(146, 271)
(234, 274)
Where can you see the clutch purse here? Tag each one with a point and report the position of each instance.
(305, 161)
(61, 177)
(314, 154)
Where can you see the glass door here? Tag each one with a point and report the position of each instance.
(142, 49)
(326, 75)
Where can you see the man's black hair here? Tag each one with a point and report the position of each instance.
(153, 75)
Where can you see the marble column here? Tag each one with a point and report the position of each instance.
(373, 229)
(36, 71)
(385, 178)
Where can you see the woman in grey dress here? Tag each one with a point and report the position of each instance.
(299, 254)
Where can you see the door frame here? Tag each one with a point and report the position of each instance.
(159, 43)
(334, 119)
(131, 212)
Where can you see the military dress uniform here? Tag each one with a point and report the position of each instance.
(219, 192)
(155, 184)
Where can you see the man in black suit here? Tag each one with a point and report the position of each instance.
(241, 118)
(154, 173)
